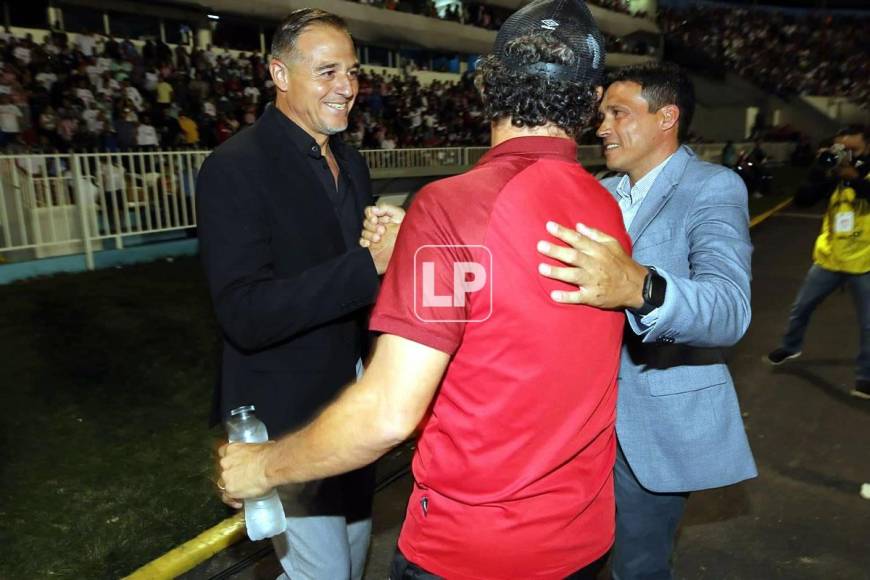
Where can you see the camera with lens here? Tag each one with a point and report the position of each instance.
(833, 156)
(840, 163)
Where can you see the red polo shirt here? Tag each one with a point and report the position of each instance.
(513, 470)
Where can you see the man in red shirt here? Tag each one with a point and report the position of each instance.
(516, 393)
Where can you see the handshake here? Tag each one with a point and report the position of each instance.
(380, 228)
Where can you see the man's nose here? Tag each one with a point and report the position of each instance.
(344, 86)
(603, 129)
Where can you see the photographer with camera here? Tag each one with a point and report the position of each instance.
(842, 251)
(844, 152)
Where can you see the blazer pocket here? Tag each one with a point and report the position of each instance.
(650, 239)
(685, 379)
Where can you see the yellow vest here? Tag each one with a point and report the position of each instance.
(844, 243)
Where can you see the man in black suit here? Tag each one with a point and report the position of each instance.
(280, 208)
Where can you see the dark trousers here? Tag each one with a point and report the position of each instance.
(646, 523)
(818, 285)
(402, 569)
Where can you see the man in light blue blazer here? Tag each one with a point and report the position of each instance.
(686, 296)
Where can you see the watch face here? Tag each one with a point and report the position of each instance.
(657, 288)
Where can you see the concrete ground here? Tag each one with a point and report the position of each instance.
(802, 518)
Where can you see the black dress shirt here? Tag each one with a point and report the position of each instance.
(343, 195)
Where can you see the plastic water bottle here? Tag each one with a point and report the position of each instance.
(264, 516)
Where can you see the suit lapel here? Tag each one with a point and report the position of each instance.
(660, 193)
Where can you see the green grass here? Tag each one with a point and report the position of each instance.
(105, 447)
(105, 451)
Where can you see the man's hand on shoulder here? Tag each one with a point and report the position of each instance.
(380, 229)
(605, 275)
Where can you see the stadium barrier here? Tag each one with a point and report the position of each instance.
(60, 204)
(190, 554)
(80, 203)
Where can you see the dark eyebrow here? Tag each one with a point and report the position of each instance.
(331, 65)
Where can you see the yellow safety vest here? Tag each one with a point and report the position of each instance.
(844, 243)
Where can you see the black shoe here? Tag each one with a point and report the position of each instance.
(779, 356)
(862, 389)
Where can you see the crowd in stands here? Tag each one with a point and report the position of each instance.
(397, 112)
(471, 13)
(95, 92)
(787, 54)
(475, 13)
(98, 93)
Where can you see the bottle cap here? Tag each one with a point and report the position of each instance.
(240, 410)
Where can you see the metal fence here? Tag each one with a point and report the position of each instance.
(53, 205)
(60, 204)
(380, 160)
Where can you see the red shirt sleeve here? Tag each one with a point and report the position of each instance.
(417, 300)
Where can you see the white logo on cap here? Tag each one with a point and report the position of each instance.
(593, 47)
(549, 24)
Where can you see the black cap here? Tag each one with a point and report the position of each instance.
(572, 24)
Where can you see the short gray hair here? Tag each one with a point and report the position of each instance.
(288, 32)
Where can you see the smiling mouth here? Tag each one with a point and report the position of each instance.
(337, 106)
(611, 146)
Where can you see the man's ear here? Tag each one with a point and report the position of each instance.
(669, 116)
(280, 74)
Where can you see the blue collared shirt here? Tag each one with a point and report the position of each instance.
(629, 199)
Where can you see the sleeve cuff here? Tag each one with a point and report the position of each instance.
(643, 324)
(370, 281)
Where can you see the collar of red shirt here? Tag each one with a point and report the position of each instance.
(553, 147)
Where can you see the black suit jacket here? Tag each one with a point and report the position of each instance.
(291, 299)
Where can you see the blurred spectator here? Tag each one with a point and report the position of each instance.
(10, 120)
(398, 111)
(86, 43)
(146, 134)
(117, 97)
(189, 130)
(164, 94)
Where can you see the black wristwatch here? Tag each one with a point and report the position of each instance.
(654, 286)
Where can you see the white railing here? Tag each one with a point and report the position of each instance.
(60, 204)
(53, 205)
(381, 160)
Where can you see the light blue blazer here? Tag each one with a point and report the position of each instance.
(678, 420)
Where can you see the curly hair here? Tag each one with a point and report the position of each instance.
(534, 100)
